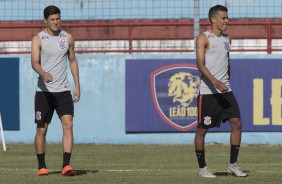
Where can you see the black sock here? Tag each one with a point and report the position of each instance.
(66, 159)
(41, 161)
(234, 153)
(201, 158)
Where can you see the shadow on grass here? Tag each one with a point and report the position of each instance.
(78, 172)
(226, 174)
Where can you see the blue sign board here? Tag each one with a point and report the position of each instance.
(161, 95)
(9, 93)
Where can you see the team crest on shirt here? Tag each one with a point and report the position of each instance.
(62, 44)
(174, 90)
(226, 45)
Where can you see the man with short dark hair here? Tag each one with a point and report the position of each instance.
(51, 50)
(216, 102)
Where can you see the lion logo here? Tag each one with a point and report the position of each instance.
(182, 91)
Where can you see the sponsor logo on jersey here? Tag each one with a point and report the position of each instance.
(63, 36)
(47, 45)
(211, 36)
(214, 46)
(45, 38)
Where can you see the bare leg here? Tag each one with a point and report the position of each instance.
(236, 130)
(199, 139)
(40, 138)
(67, 124)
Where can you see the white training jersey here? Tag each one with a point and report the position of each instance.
(216, 61)
(54, 59)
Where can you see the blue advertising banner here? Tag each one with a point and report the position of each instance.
(9, 93)
(161, 95)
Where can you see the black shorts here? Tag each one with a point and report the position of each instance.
(216, 108)
(47, 102)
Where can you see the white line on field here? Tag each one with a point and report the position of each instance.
(128, 170)
(17, 169)
(267, 171)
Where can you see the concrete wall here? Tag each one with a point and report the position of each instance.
(100, 114)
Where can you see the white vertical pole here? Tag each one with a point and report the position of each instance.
(196, 22)
(2, 133)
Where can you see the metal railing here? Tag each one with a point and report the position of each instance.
(149, 31)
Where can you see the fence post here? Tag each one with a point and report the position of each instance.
(2, 133)
(269, 42)
(196, 22)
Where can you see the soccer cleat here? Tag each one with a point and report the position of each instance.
(234, 169)
(206, 173)
(68, 171)
(42, 172)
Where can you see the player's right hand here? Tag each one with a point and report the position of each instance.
(47, 77)
(221, 86)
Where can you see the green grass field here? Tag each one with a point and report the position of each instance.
(140, 164)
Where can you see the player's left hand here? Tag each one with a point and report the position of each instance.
(76, 95)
